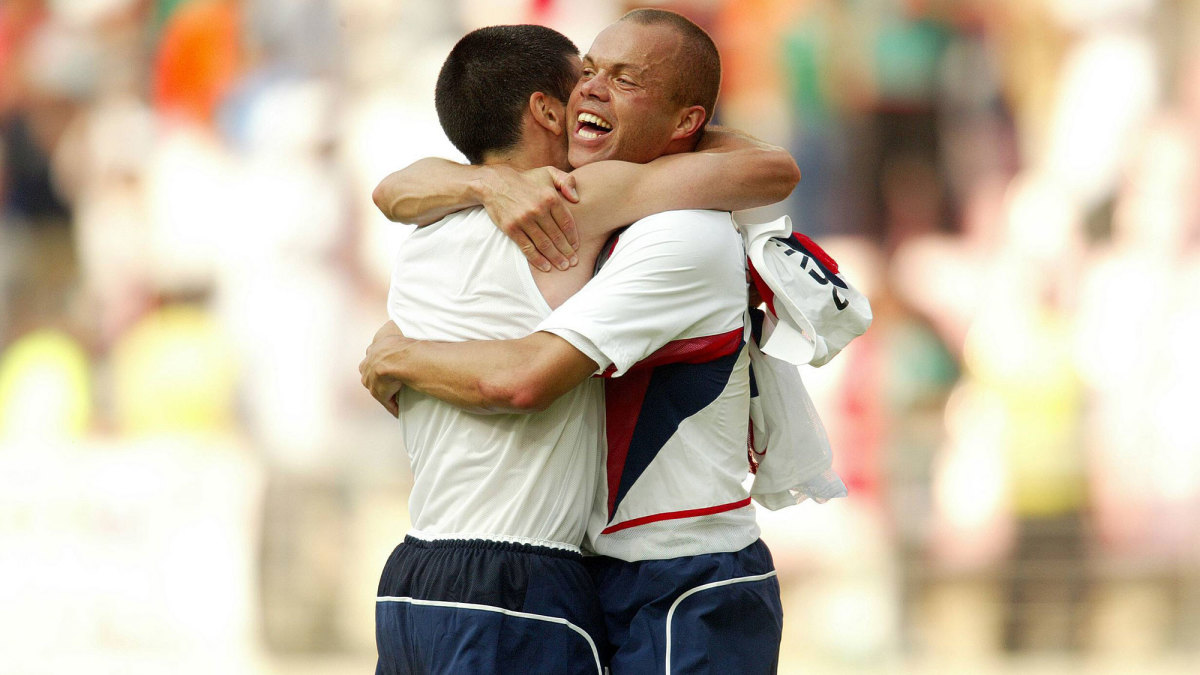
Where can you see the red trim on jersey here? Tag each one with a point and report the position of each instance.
(817, 252)
(673, 515)
(750, 451)
(623, 404)
(764, 291)
(694, 350)
(612, 245)
(688, 350)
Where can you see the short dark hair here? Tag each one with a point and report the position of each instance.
(697, 76)
(487, 79)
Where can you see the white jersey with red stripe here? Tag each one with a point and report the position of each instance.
(664, 318)
(518, 478)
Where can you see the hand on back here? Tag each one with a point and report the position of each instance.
(531, 208)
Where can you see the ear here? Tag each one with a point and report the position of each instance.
(547, 112)
(690, 122)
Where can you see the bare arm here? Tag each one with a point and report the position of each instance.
(731, 172)
(528, 206)
(427, 191)
(432, 188)
(496, 376)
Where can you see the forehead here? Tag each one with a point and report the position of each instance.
(648, 50)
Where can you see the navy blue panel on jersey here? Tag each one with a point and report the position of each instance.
(676, 392)
(716, 613)
(486, 607)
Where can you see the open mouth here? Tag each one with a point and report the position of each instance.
(591, 126)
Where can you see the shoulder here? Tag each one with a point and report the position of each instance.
(687, 218)
(475, 216)
(468, 225)
(454, 240)
(694, 234)
(687, 225)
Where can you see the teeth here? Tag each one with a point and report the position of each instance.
(593, 119)
(588, 133)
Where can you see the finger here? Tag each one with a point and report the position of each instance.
(533, 256)
(393, 405)
(565, 182)
(368, 375)
(563, 231)
(536, 231)
(571, 231)
(549, 242)
(388, 329)
(381, 394)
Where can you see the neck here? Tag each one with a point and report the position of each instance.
(519, 159)
(682, 145)
(535, 149)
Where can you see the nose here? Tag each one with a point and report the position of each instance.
(594, 87)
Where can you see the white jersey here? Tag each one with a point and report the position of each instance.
(527, 478)
(671, 299)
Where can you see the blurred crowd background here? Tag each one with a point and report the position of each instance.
(193, 480)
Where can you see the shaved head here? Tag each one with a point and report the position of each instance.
(696, 71)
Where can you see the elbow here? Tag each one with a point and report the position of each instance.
(531, 400)
(786, 174)
(396, 203)
(793, 174)
(516, 394)
(383, 200)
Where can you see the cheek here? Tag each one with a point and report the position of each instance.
(647, 130)
(639, 120)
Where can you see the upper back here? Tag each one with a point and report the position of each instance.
(462, 279)
(527, 478)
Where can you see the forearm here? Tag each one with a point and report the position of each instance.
(723, 139)
(740, 179)
(749, 172)
(429, 190)
(736, 172)
(491, 376)
(442, 370)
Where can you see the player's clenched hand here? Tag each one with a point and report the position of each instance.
(374, 368)
(531, 208)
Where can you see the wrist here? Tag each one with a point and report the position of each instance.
(396, 365)
(485, 184)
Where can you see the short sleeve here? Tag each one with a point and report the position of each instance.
(672, 276)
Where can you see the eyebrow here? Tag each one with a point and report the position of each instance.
(631, 68)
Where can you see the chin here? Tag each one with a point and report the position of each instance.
(580, 156)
